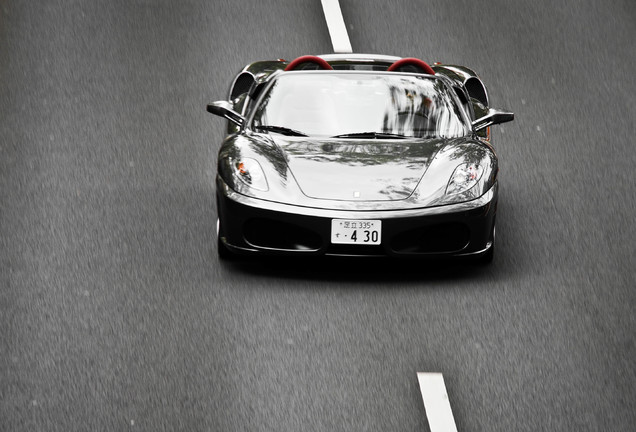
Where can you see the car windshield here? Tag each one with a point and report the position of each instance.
(359, 105)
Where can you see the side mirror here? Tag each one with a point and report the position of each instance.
(224, 109)
(492, 118)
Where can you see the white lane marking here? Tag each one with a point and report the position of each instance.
(336, 25)
(436, 403)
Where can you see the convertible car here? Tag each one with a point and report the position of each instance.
(357, 155)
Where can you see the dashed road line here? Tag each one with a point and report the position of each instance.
(438, 409)
(336, 25)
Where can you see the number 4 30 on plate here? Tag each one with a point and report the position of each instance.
(353, 231)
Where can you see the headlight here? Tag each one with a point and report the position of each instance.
(467, 182)
(458, 173)
(250, 172)
(464, 178)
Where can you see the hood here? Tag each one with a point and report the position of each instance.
(357, 170)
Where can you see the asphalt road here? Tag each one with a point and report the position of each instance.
(115, 313)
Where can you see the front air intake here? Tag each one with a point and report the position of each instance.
(271, 234)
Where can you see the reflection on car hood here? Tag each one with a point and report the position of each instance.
(357, 170)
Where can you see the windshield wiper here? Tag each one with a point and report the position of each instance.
(373, 135)
(280, 129)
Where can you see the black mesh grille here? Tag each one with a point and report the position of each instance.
(441, 238)
(280, 235)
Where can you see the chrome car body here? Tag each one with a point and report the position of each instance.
(380, 156)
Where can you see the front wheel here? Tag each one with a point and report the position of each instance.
(223, 252)
(487, 257)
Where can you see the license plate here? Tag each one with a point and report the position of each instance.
(350, 231)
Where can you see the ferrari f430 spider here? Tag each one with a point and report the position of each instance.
(357, 155)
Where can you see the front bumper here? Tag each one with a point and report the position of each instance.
(255, 226)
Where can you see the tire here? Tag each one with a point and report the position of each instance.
(223, 252)
(488, 257)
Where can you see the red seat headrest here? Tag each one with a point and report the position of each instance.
(411, 61)
(308, 59)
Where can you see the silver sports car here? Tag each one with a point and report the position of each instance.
(359, 155)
